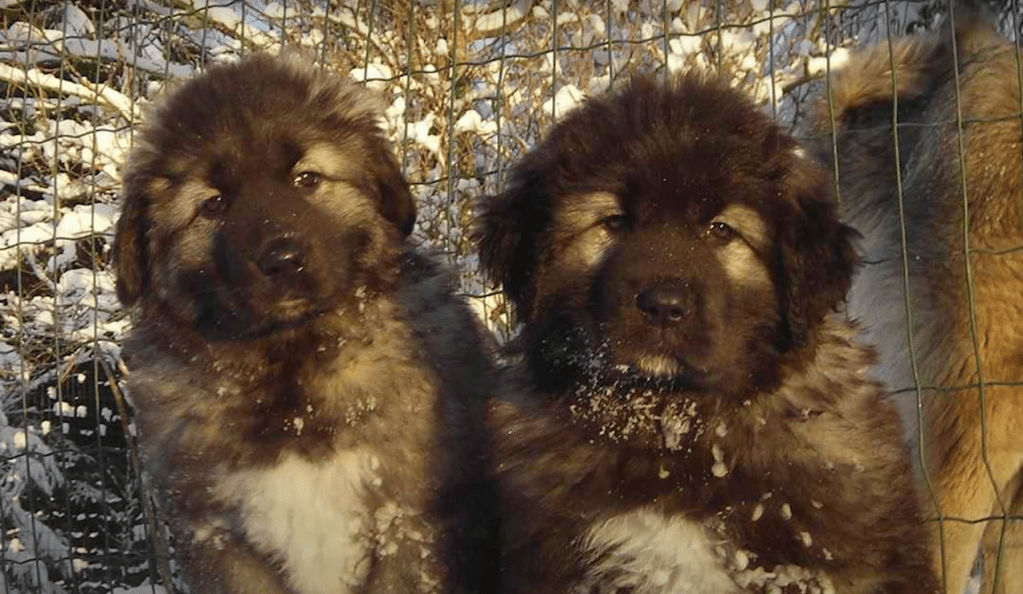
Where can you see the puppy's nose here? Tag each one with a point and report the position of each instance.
(667, 302)
(281, 258)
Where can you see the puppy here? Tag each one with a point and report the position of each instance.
(309, 392)
(693, 418)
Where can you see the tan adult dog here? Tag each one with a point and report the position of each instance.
(957, 101)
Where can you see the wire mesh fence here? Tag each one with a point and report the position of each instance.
(469, 87)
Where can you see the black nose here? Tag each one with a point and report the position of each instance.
(282, 258)
(667, 302)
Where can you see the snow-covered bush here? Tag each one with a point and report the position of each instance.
(470, 86)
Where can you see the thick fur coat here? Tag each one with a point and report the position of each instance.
(937, 199)
(693, 417)
(309, 392)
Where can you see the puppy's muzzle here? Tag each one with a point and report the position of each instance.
(667, 303)
(282, 259)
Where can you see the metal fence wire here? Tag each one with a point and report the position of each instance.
(469, 85)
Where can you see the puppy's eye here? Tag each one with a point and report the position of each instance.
(615, 223)
(214, 205)
(306, 179)
(720, 232)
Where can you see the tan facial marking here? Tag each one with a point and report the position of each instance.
(576, 227)
(739, 257)
(330, 160)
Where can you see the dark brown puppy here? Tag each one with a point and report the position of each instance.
(309, 392)
(698, 420)
(962, 311)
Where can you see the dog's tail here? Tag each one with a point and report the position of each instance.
(865, 87)
(908, 68)
(871, 79)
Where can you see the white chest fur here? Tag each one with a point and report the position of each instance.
(310, 517)
(649, 553)
(646, 552)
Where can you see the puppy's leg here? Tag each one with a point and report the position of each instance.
(1010, 567)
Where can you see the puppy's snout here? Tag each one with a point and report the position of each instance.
(282, 258)
(667, 302)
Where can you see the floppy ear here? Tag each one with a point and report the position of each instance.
(816, 253)
(129, 251)
(505, 234)
(396, 203)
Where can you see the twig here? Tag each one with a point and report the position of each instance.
(86, 90)
(502, 19)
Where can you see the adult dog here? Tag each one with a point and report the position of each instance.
(962, 267)
(695, 418)
(309, 393)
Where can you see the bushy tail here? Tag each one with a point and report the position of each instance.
(908, 68)
(872, 78)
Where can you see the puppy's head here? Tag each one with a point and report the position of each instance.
(260, 194)
(667, 232)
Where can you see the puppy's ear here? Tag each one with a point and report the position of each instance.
(396, 203)
(129, 251)
(506, 236)
(816, 252)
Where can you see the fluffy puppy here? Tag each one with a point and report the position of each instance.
(695, 418)
(945, 243)
(309, 393)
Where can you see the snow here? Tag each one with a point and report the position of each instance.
(144, 589)
(564, 101)
(502, 19)
(374, 74)
(420, 133)
(36, 46)
(472, 122)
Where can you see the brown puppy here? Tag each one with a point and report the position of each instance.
(695, 419)
(309, 393)
(954, 136)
